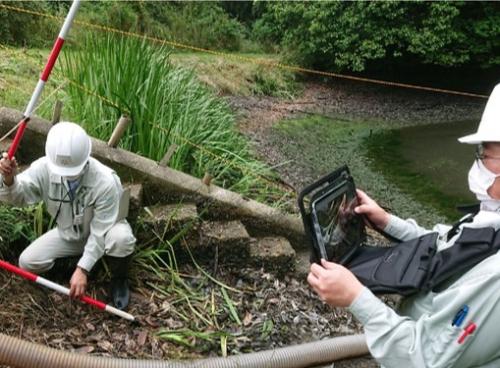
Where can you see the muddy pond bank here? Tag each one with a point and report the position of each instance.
(333, 124)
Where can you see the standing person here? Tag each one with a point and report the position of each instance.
(84, 198)
(457, 324)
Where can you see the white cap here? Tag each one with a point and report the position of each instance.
(489, 127)
(67, 148)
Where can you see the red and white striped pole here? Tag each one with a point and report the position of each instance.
(43, 77)
(64, 290)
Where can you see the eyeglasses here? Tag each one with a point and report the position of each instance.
(480, 155)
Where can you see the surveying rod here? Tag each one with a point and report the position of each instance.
(43, 78)
(64, 290)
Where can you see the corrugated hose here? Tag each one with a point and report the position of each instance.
(18, 353)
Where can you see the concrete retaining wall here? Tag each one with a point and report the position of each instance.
(162, 183)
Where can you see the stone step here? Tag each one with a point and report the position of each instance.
(273, 253)
(302, 263)
(229, 239)
(169, 219)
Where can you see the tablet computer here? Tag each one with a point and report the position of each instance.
(327, 209)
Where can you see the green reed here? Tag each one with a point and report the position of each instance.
(167, 105)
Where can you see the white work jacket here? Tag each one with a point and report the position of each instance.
(421, 334)
(88, 215)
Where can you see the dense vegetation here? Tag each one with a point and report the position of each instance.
(348, 35)
(327, 35)
(203, 24)
(19, 225)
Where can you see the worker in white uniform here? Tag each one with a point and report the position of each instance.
(456, 326)
(86, 200)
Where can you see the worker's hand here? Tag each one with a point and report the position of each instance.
(78, 283)
(375, 214)
(334, 284)
(8, 169)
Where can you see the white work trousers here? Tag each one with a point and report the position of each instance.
(40, 255)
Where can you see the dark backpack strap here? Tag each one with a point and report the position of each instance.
(415, 265)
(456, 226)
(472, 247)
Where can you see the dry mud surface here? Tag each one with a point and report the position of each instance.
(346, 101)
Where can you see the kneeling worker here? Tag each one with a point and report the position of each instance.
(83, 196)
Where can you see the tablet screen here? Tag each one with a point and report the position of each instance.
(339, 230)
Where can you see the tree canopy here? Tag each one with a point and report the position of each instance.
(348, 35)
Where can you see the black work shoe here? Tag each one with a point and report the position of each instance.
(120, 293)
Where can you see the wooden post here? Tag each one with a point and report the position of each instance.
(120, 128)
(56, 114)
(207, 179)
(170, 152)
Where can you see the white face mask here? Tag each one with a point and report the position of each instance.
(480, 180)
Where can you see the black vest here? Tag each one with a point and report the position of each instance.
(415, 265)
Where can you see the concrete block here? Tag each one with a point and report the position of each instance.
(168, 220)
(5, 144)
(229, 238)
(274, 253)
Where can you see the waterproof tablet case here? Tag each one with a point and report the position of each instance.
(327, 208)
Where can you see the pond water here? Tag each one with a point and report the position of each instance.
(433, 151)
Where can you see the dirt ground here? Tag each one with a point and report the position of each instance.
(275, 312)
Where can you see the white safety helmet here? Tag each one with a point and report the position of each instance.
(489, 127)
(67, 148)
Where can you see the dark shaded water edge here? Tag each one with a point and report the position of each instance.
(385, 147)
(313, 146)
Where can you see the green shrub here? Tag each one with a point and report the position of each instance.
(267, 81)
(23, 29)
(347, 35)
(203, 24)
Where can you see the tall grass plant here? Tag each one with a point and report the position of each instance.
(167, 105)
